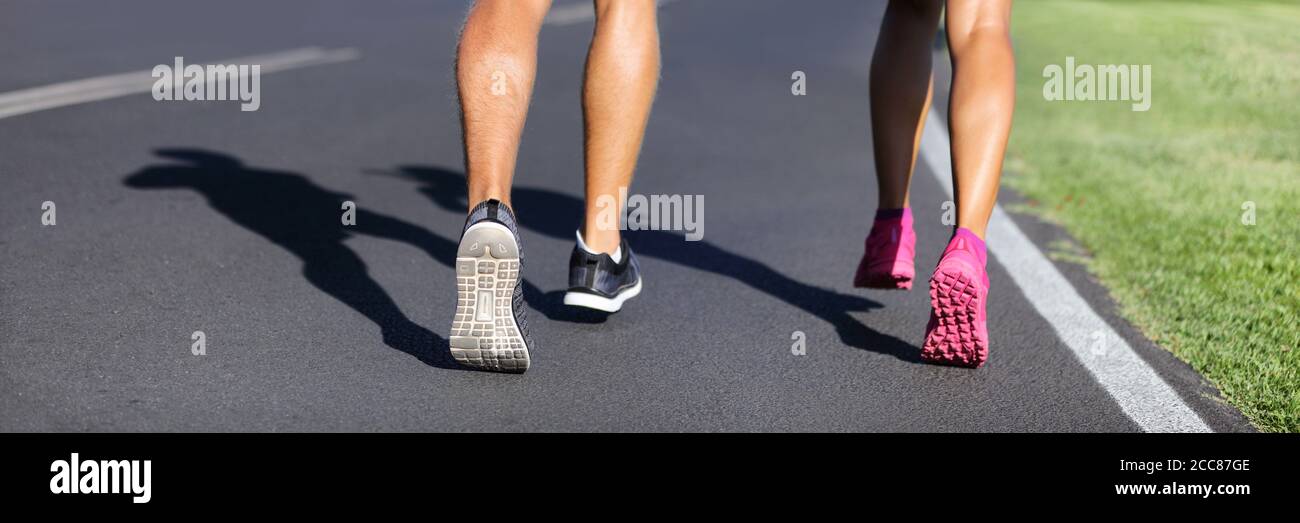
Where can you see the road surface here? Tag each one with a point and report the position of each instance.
(177, 217)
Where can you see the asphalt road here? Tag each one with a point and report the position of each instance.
(176, 217)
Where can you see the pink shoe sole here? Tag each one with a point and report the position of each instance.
(886, 276)
(957, 334)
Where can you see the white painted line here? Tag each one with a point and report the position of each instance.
(112, 86)
(1139, 391)
(569, 14)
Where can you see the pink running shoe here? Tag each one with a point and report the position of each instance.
(890, 247)
(958, 332)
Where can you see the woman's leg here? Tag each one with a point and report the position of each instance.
(979, 110)
(979, 114)
(900, 97)
(900, 93)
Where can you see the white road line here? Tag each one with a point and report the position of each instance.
(104, 87)
(1138, 390)
(569, 14)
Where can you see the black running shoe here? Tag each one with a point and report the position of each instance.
(596, 282)
(489, 330)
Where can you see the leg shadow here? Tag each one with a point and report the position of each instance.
(551, 304)
(303, 218)
(556, 215)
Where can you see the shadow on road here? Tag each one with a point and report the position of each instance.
(303, 218)
(557, 215)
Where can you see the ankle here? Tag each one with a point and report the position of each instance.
(599, 241)
(901, 213)
(966, 239)
(477, 197)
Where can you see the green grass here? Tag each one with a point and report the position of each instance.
(1156, 197)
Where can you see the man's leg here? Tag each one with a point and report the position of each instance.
(622, 72)
(495, 66)
(983, 99)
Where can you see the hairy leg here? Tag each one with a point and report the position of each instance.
(619, 87)
(982, 102)
(495, 66)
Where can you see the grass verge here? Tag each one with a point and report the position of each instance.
(1159, 198)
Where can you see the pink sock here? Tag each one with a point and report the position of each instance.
(902, 216)
(894, 214)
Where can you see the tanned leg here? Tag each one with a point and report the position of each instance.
(495, 66)
(980, 109)
(622, 73)
(901, 85)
